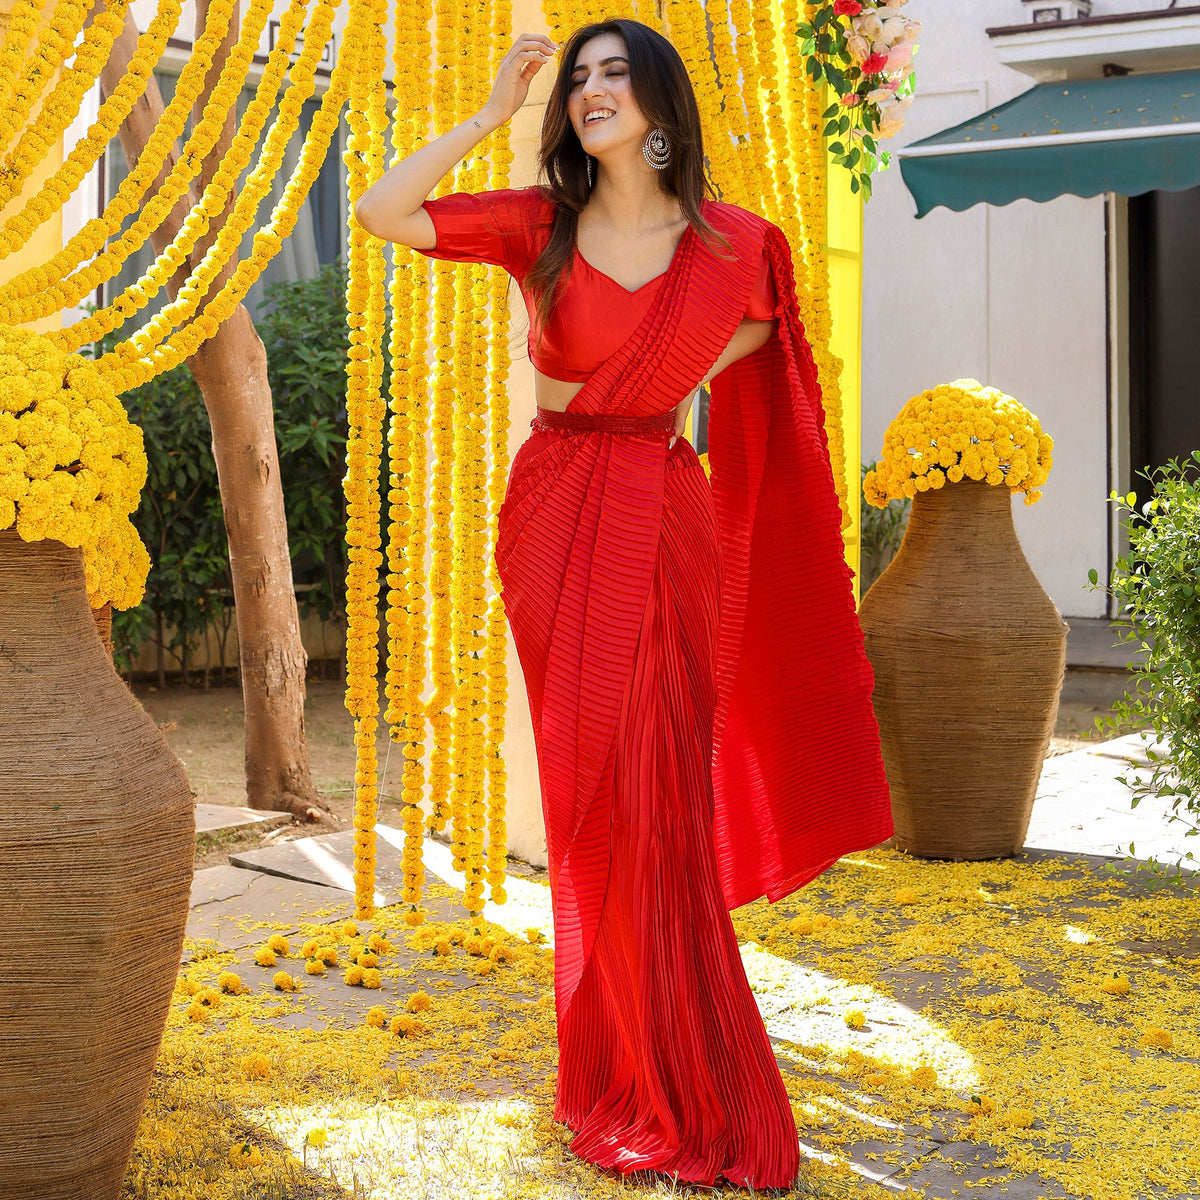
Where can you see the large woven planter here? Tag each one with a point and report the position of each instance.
(96, 848)
(968, 653)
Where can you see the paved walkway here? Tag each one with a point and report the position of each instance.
(1082, 814)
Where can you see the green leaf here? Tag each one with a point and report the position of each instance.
(1093, 576)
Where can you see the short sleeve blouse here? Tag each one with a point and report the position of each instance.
(594, 315)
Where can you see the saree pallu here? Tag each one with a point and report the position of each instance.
(701, 711)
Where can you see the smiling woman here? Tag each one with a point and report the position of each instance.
(679, 772)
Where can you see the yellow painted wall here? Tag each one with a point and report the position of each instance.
(844, 248)
(47, 240)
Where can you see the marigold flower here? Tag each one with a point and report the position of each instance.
(354, 975)
(284, 982)
(209, 997)
(279, 944)
(309, 949)
(228, 982)
(979, 1104)
(413, 917)
(379, 944)
(418, 1002)
(371, 978)
(1118, 985)
(1157, 1039)
(800, 926)
(535, 936)
(367, 959)
(874, 1079)
(256, 1066)
(905, 895)
(243, 1154)
(405, 1025)
(350, 929)
(189, 987)
(314, 966)
(316, 1138)
(264, 956)
(923, 1077)
(328, 955)
(197, 1013)
(443, 947)
(376, 1017)
(500, 954)
(855, 1018)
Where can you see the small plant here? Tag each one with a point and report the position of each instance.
(880, 535)
(1157, 588)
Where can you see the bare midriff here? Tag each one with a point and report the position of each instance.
(557, 394)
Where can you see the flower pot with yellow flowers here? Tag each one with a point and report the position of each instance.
(967, 648)
(96, 818)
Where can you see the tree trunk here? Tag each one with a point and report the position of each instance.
(231, 372)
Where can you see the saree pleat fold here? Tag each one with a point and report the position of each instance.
(701, 711)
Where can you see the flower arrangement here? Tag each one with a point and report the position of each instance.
(864, 52)
(71, 464)
(961, 430)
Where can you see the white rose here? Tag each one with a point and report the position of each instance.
(868, 25)
(859, 47)
(893, 30)
(879, 95)
(891, 115)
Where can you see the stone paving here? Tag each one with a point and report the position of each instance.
(1081, 814)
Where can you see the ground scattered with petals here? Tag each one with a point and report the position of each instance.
(925, 1015)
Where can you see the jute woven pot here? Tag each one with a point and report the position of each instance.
(968, 653)
(96, 848)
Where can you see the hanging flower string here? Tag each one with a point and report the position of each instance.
(864, 52)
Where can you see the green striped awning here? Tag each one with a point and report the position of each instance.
(1127, 134)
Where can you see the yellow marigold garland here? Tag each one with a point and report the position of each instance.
(440, 507)
(62, 104)
(496, 648)
(51, 285)
(365, 410)
(50, 197)
(213, 202)
(142, 356)
(71, 464)
(23, 24)
(961, 430)
(406, 528)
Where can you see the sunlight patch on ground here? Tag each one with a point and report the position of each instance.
(391, 1153)
(527, 905)
(798, 1002)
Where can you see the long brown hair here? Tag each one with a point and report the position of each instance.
(663, 92)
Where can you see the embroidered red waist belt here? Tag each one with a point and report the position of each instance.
(581, 422)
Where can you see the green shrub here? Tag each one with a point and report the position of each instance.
(881, 530)
(1157, 589)
(306, 336)
(180, 517)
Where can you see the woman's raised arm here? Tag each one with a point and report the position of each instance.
(391, 208)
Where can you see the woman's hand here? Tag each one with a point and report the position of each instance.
(525, 58)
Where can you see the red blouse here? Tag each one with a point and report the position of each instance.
(594, 315)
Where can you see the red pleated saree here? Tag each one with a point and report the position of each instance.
(700, 701)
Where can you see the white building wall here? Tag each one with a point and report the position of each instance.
(1013, 296)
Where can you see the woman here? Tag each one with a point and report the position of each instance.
(699, 692)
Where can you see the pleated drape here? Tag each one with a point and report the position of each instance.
(616, 559)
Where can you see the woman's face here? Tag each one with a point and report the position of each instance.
(600, 101)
